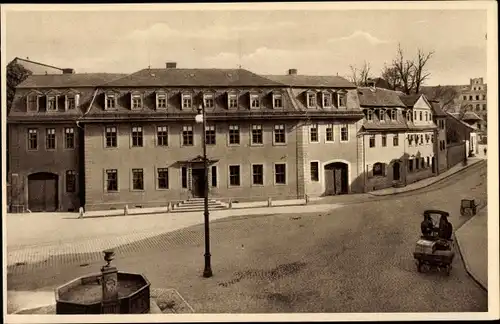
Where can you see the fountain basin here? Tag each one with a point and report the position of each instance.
(83, 295)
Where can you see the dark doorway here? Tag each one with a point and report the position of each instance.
(336, 179)
(198, 184)
(433, 164)
(396, 171)
(42, 192)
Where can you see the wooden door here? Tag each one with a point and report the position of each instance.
(42, 192)
(329, 182)
(338, 181)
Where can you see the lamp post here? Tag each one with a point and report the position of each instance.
(201, 119)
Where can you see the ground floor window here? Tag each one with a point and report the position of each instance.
(315, 171)
(162, 178)
(214, 176)
(112, 180)
(70, 181)
(258, 174)
(234, 175)
(137, 179)
(280, 173)
(379, 169)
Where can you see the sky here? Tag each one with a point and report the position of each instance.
(316, 42)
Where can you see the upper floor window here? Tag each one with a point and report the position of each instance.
(254, 101)
(208, 100)
(187, 135)
(344, 133)
(279, 134)
(327, 100)
(478, 107)
(277, 101)
(477, 97)
(111, 136)
(382, 114)
(232, 101)
(187, 101)
(313, 132)
(51, 103)
(465, 97)
(110, 101)
(369, 115)
(372, 140)
(234, 134)
(409, 116)
(395, 140)
(393, 114)
(161, 100)
(484, 106)
(421, 118)
(342, 98)
(32, 102)
(71, 102)
(69, 138)
(210, 135)
(50, 139)
(384, 140)
(415, 115)
(137, 136)
(162, 136)
(136, 101)
(311, 100)
(32, 139)
(329, 133)
(470, 97)
(257, 134)
(426, 116)
(484, 97)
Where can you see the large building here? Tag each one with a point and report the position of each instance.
(102, 141)
(39, 68)
(475, 95)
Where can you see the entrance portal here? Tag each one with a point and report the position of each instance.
(396, 171)
(198, 184)
(336, 178)
(42, 192)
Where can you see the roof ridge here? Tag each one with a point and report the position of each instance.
(30, 61)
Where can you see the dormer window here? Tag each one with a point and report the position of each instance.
(110, 101)
(254, 101)
(342, 98)
(232, 101)
(161, 100)
(369, 115)
(393, 114)
(277, 100)
(382, 115)
(71, 101)
(187, 101)
(311, 100)
(208, 100)
(136, 101)
(327, 100)
(32, 102)
(408, 116)
(52, 103)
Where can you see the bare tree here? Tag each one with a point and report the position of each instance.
(446, 95)
(360, 76)
(405, 69)
(391, 76)
(419, 74)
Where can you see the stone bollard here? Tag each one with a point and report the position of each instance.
(307, 199)
(169, 207)
(109, 282)
(269, 202)
(80, 212)
(230, 205)
(125, 210)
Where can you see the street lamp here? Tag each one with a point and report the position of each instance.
(200, 118)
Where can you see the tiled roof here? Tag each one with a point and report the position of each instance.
(469, 115)
(68, 80)
(410, 100)
(305, 81)
(379, 97)
(193, 77)
(436, 107)
(451, 115)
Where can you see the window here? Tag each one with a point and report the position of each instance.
(137, 179)
(410, 165)
(372, 140)
(342, 100)
(111, 138)
(315, 171)
(427, 138)
(136, 101)
(233, 101)
(69, 138)
(162, 136)
(484, 106)
(382, 114)
(70, 102)
(50, 139)
(327, 100)
(329, 133)
(112, 180)
(393, 114)
(478, 107)
(426, 116)
(32, 102)
(384, 140)
(110, 101)
(70, 181)
(51, 103)
(234, 134)
(465, 97)
(395, 140)
(257, 174)
(137, 136)
(484, 97)
(313, 132)
(210, 135)
(279, 134)
(379, 169)
(470, 97)
(214, 176)
(234, 175)
(415, 115)
(421, 139)
(208, 100)
(421, 116)
(477, 97)
(32, 139)
(280, 173)
(187, 135)
(161, 101)
(162, 178)
(408, 116)
(311, 100)
(344, 133)
(257, 134)
(187, 101)
(277, 101)
(369, 115)
(184, 177)
(254, 101)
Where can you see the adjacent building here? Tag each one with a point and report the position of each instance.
(38, 68)
(475, 95)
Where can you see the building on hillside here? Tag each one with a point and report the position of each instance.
(397, 138)
(475, 94)
(461, 139)
(440, 146)
(38, 68)
(105, 141)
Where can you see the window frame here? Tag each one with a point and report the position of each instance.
(187, 96)
(53, 138)
(230, 98)
(395, 140)
(346, 131)
(231, 134)
(212, 177)
(187, 132)
(212, 135)
(253, 183)
(136, 136)
(255, 97)
(326, 96)
(382, 169)
(278, 96)
(50, 98)
(30, 139)
(260, 128)
(209, 98)
(110, 97)
(384, 140)
(229, 178)
(314, 127)
(136, 97)
(107, 172)
(157, 178)
(141, 172)
(372, 139)
(68, 175)
(66, 138)
(279, 143)
(317, 176)
(36, 101)
(106, 136)
(161, 95)
(163, 131)
(312, 95)
(276, 183)
(332, 127)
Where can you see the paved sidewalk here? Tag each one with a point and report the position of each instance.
(472, 240)
(37, 237)
(429, 181)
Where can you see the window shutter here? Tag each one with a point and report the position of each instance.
(131, 100)
(105, 101)
(66, 102)
(157, 100)
(369, 170)
(77, 100)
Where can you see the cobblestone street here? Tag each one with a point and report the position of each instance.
(358, 255)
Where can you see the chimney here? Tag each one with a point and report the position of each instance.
(292, 72)
(68, 71)
(171, 65)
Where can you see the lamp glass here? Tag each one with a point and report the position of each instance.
(199, 118)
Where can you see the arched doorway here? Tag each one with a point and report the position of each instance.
(396, 171)
(42, 192)
(336, 178)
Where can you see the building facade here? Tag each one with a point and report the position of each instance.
(38, 68)
(103, 141)
(475, 95)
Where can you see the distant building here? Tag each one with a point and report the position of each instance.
(475, 94)
(38, 68)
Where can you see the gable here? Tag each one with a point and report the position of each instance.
(422, 104)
